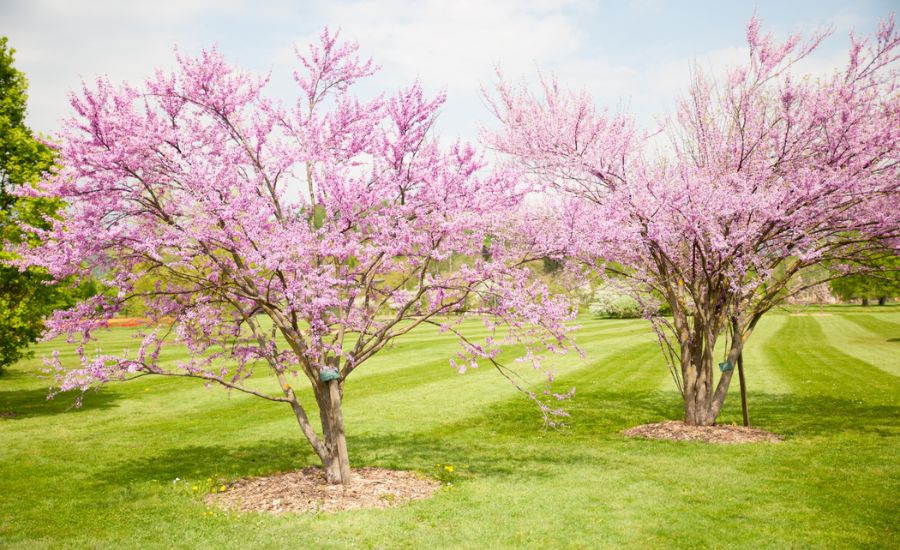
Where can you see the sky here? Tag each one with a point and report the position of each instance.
(629, 54)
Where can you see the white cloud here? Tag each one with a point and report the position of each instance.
(165, 11)
(447, 45)
(59, 43)
(458, 43)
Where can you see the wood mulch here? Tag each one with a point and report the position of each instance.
(307, 491)
(676, 430)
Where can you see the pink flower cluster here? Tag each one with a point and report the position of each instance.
(302, 237)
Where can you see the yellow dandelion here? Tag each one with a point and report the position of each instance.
(222, 489)
(449, 468)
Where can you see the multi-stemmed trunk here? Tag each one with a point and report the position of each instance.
(703, 396)
(331, 447)
(702, 401)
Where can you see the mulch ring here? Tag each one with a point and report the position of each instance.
(307, 491)
(676, 430)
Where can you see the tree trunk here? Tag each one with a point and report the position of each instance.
(697, 392)
(332, 467)
(332, 446)
(865, 301)
(702, 400)
(338, 443)
(335, 459)
(702, 404)
(882, 300)
(696, 410)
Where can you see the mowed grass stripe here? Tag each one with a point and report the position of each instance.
(867, 337)
(831, 391)
(763, 374)
(886, 325)
(103, 476)
(187, 404)
(466, 395)
(813, 365)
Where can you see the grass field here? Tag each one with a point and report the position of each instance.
(102, 476)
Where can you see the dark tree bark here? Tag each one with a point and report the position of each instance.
(703, 400)
(332, 448)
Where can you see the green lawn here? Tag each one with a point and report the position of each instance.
(102, 476)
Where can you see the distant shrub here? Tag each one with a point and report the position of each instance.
(612, 303)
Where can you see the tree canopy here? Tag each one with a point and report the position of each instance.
(767, 173)
(302, 238)
(26, 296)
(879, 279)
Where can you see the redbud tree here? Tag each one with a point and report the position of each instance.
(766, 175)
(300, 239)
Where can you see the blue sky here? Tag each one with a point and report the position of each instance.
(634, 54)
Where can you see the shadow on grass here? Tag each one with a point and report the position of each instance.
(11, 374)
(603, 414)
(18, 404)
(799, 416)
(507, 439)
(401, 451)
(599, 416)
(198, 462)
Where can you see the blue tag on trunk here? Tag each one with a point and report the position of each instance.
(329, 374)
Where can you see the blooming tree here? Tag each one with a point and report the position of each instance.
(304, 238)
(766, 175)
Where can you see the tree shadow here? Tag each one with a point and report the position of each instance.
(815, 415)
(507, 439)
(400, 451)
(605, 413)
(197, 462)
(9, 374)
(19, 404)
(611, 411)
(533, 454)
